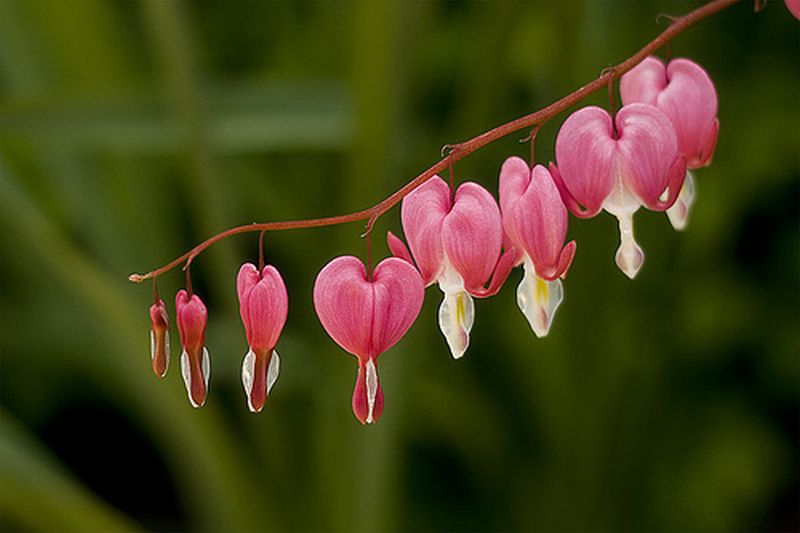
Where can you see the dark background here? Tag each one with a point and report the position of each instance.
(129, 131)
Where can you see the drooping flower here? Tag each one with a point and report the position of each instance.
(456, 243)
(618, 169)
(195, 365)
(159, 338)
(535, 222)
(367, 315)
(686, 94)
(263, 305)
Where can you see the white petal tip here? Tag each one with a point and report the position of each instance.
(456, 316)
(372, 390)
(539, 299)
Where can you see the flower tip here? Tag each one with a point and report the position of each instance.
(259, 373)
(195, 370)
(367, 396)
(630, 260)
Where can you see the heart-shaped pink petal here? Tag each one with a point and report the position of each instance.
(367, 317)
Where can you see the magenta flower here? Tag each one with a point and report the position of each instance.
(367, 316)
(159, 338)
(601, 166)
(456, 243)
(263, 305)
(685, 93)
(195, 365)
(535, 222)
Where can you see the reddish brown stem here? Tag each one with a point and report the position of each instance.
(461, 150)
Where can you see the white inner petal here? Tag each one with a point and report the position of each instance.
(248, 369)
(187, 376)
(538, 299)
(273, 370)
(206, 366)
(630, 256)
(152, 345)
(679, 212)
(456, 316)
(372, 389)
(166, 350)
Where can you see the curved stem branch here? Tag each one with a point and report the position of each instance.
(461, 150)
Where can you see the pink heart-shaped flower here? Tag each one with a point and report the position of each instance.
(367, 316)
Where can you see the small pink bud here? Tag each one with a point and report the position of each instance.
(600, 168)
(195, 365)
(366, 317)
(263, 305)
(159, 338)
(535, 222)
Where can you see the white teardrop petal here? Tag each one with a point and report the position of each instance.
(248, 369)
(273, 370)
(187, 376)
(166, 350)
(152, 345)
(456, 316)
(630, 256)
(538, 299)
(206, 366)
(678, 214)
(372, 389)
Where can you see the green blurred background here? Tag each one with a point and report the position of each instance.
(129, 131)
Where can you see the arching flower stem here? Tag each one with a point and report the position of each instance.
(461, 150)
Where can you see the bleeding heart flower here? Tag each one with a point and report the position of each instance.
(686, 94)
(458, 244)
(195, 365)
(159, 338)
(263, 305)
(619, 169)
(366, 316)
(535, 222)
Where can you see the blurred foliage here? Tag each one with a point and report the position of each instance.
(129, 131)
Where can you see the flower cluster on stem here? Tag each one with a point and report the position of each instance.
(465, 241)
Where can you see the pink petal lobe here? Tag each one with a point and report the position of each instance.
(423, 212)
(539, 220)
(473, 235)
(648, 148)
(794, 7)
(191, 317)
(644, 82)
(398, 247)
(344, 301)
(567, 198)
(690, 101)
(398, 292)
(585, 151)
(510, 258)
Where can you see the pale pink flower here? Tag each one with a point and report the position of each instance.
(686, 94)
(535, 223)
(263, 305)
(619, 169)
(159, 338)
(456, 243)
(366, 316)
(195, 365)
